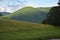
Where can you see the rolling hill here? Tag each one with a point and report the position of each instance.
(19, 30)
(29, 14)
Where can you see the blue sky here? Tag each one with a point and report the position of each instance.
(43, 3)
(16, 4)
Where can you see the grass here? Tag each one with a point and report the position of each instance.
(30, 35)
(13, 25)
(44, 9)
(19, 30)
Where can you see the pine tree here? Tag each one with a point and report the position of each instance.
(53, 17)
(0, 14)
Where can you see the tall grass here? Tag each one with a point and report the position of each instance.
(19, 30)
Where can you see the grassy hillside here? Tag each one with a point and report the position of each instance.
(44, 9)
(29, 14)
(13, 25)
(19, 30)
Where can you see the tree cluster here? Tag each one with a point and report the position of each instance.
(53, 17)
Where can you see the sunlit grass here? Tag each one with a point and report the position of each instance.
(19, 30)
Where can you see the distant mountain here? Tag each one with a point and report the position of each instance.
(28, 14)
(4, 13)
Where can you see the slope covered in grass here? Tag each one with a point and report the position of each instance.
(44, 9)
(29, 14)
(13, 25)
(19, 30)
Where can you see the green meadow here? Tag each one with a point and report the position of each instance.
(16, 30)
(13, 27)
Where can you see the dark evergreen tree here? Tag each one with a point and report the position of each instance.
(0, 14)
(53, 16)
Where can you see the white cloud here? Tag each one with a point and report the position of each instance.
(6, 9)
(33, 5)
(1, 9)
